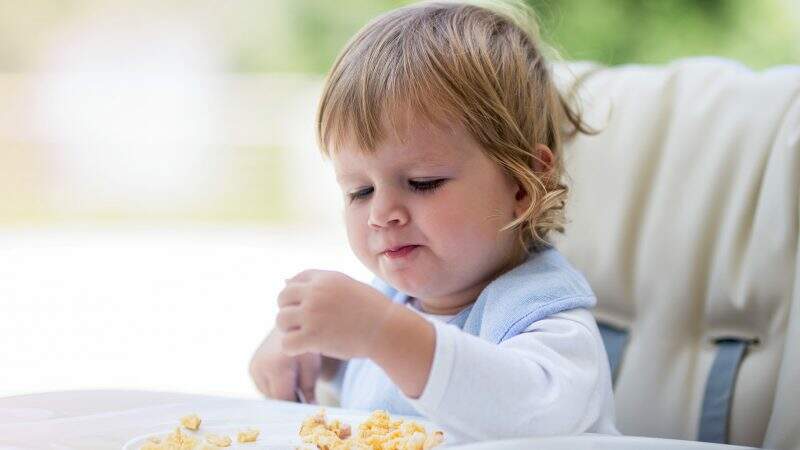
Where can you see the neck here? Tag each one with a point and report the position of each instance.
(452, 304)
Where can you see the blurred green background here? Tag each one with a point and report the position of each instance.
(305, 35)
(759, 33)
(203, 110)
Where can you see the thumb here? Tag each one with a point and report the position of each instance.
(308, 372)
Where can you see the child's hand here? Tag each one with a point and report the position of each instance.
(330, 313)
(278, 375)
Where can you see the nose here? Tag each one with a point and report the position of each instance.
(387, 210)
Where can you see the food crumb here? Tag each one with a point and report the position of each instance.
(249, 435)
(219, 441)
(175, 441)
(191, 422)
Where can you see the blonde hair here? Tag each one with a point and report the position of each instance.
(478, 66)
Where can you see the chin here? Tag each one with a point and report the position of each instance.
(410, 286)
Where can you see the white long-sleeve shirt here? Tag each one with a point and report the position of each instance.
(552, 379)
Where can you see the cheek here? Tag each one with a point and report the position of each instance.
(469, 223)
(357, 233)
(453, 224)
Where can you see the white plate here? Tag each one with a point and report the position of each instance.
(273, 435)
(598, 442)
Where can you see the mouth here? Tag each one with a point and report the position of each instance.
(400, 251)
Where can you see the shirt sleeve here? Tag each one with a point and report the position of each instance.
(545, 381)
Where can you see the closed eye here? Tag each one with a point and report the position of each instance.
(422, 186)
(360, 194)
(426, 185)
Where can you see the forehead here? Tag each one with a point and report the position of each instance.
(416, 144)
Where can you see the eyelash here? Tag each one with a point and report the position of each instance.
(423, 187)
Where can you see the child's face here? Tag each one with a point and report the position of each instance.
(424, 213)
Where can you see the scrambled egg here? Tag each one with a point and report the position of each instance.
(191, 422)
(175, 441)
(247, 436)
(378, 432)
(178, 440)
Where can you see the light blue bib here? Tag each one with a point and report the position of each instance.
(545, 284)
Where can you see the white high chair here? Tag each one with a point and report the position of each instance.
(684, 218)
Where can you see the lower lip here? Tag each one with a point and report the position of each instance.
(401, 252)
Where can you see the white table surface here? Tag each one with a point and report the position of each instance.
(108, 419)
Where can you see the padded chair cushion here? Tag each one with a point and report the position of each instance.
(684, 217)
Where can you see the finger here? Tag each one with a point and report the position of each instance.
(258, 379)
(261, 384)
(281, 386)
(308, 367)
(294, 343)
(303, 276)
(290, 295)
(289, 318)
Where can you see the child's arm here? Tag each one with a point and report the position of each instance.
(332, 314)
(404, 349)
(280, 376)
(552, 379)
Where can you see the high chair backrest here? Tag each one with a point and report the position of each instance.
(684, 217)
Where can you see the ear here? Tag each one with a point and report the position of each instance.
(542, 166)
(521, 200)
(543, 159)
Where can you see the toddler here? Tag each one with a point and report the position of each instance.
(446, 133)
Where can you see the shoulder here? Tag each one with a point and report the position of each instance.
(580, 320)
(543, 285)
(574, 331)
(546, 275)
